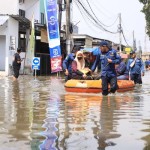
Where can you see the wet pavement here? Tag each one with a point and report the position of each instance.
(38, 114)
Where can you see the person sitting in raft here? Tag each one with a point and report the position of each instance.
(87, 58)
(79, 71)
(121, 69)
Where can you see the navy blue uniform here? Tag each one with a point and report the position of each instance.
(135, 70)
(108, 72)
(67, 64)
(146, 64)
(122, 72)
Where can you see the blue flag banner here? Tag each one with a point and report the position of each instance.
(53, 33)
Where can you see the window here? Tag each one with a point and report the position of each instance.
(22, 13)
(42, 18)
(22, 41)
(21, 1)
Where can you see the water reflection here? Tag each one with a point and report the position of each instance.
(93, 120)
(46, 111)
(90, 121)
(52, 113)
(40, 115)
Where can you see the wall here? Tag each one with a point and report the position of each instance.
(3, 39)
(9, 7)
(2, 52)
(10, 28)
(88, 42)
(42, 8)
(4, 28)
(11, 31)
(145, 55)
(30, 7)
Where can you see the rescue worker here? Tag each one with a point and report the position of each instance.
(146, 64)
(121, 69)
(68, 61)
(107, 58)
(136, 68)
(149, 64)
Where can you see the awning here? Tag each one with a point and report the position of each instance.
(22, 20)
(3, 19)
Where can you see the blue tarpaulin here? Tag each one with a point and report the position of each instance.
(94, 50)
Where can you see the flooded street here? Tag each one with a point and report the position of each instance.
(38, 114)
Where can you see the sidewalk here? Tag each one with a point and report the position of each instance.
(2, 74)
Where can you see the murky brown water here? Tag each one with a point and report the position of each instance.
(39, 114)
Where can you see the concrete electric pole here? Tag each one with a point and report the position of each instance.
(120, 30)
(140, 50)
(68, 36)
(134, 43)
(60, 14)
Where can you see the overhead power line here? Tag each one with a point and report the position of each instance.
(124, 37)
(93, 19)
(86, 18)
(98, 19)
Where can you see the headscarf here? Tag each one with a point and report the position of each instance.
(80, 63)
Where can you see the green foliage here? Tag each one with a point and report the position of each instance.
(146, 11)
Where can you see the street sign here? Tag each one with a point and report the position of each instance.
(36, 63)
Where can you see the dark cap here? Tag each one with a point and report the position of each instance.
(104, 43)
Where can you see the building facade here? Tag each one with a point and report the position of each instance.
(15, 20)
(14, 25)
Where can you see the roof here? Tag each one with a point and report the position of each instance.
(81, 36)
(22, 20)
(3, 19)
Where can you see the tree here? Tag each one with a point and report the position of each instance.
(146, 11)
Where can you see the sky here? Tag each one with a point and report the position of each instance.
(107, 11)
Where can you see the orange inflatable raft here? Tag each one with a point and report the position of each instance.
(95, 86)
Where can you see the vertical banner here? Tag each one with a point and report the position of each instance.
(30, 48)
(53, 35)
(32, 37)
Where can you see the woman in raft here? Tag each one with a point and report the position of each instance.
(80, 71)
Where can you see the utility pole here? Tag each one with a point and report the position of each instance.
(60, 14)
(140, 50)
(145, 43)
(134, 42)
(68, 36)
(120, 30)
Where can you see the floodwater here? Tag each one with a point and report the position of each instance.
(38, 114)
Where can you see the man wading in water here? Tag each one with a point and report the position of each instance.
(16, 64)
(107, 58)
